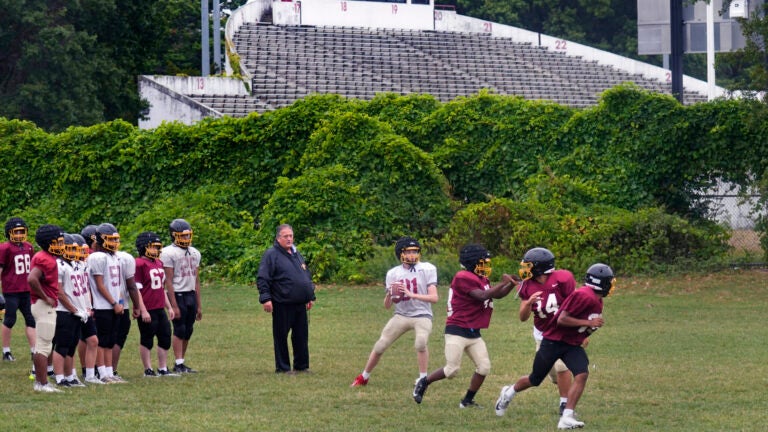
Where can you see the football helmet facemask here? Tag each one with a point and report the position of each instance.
(16, 230)
(536, 262)
(82, 247)
(149, 244)
(107, 237)
(405, 244)
(71, 248)
(601, 279)
(181, 233)
(50, 238)
(477, 259)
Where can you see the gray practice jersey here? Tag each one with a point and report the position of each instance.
(108, 266)
(184, 263)
(416, 279)
(128, 270)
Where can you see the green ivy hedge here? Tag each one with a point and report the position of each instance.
(617, 182)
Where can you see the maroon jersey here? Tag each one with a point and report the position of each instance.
(584, 303)
(150, 277)
(15, 260)
(463, 310)
(50, 280)
(559, 285)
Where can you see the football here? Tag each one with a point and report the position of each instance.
(394, 292)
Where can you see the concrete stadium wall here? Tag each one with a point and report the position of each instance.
(169, 101)
(354, 13)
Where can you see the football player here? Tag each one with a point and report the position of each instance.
(15, 256)
(580, 315)
(150, 279)
(72, 311)
(412, 287)
(181, 262)
(541, 293)
(106, 279)
(127, 285)
(43, 284)
(470, 305)
(88, 345)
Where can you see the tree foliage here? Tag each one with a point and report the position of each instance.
(75, 62)
(747, 69)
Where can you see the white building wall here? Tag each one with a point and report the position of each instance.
(169, 100)
(352, 13)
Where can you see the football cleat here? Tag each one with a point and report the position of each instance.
(568, 422)
(502, 403)
(419, 389)
(76, 383)
(63, 383)
(149, 373)
(562, 408)
(9, 357)
(182, 368)
(359, 381)
(46, 388)
(166, 373)
(94, 380)
(468, 404)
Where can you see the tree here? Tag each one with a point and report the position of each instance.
(747, 69)
(73, 62)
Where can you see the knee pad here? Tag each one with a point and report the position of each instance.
(147, 341)
(420, 343)
(451, 371)
(483, 368)
(10, 319)
(535, 380)
(180, 329)
(61, 350)
(380, 346)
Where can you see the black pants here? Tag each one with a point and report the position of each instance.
(290, 318)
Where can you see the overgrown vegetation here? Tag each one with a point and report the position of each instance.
(615, 183)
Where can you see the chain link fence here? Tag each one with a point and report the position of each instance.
(741, 215)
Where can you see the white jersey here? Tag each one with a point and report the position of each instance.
(73, 282)
(184, 263)
(107, 266)
(128, 270)
(416, 279)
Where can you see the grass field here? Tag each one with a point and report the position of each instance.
(677, 354)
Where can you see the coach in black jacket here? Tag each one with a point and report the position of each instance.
(287, 292)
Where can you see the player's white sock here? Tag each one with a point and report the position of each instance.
(109, 371)
(422, 375)
(511, 392)
(179, 361)
(6, 350)
(366, 375)
(89, 372)
(59, 378)
(563, 399)
(568, 413)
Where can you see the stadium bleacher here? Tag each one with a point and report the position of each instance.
(287, 62)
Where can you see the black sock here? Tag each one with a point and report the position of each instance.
(469, 396)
